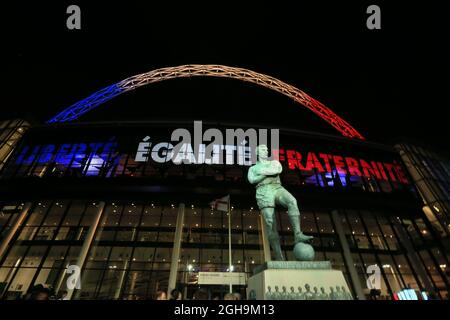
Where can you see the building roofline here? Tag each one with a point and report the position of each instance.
(220, 124)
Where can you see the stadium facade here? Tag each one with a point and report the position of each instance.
(86, 194)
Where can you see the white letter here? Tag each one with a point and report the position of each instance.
(201, 154)
(166, 152)
(242, 137)
(185, 155)
(74, 20)
(274, 143)
(143, 149)
(198, 135)
(183, 137)
(374, 20)
(73, 281)
(229, 154)
(374, 279)
(244, 155)
(213, 152)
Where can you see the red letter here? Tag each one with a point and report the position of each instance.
(401, 174)
(389, 169)
(353, 167)
(326, 161)
(293, 159)
(383, 173)
(313, 162)
(370, 171)
(338, 163)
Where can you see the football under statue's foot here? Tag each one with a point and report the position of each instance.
(301, 237)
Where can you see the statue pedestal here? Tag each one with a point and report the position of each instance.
(285, 277)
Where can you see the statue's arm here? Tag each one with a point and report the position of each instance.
(274, 169)
(254, 177)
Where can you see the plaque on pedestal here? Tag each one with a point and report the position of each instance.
(297, 280)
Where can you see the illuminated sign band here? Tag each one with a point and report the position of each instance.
(329, 163)
(90, 157)
(322, 162)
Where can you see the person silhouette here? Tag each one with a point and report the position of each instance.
(315, 294)
(284, 294)
(323, 295)
(277, 294)
(339, 294)
(292, 295)
(300, 294)
(269, 293)
(308, 294)
(332, 294)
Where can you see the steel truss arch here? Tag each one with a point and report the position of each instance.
(195, 70)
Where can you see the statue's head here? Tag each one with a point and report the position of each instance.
(307, 287)
(343, 288)
(269, 288)
(276, 288)
(331, 289)
(262, 152)
(338, 289)
(315, 289)
(292, 289)
(283, 288)
(322, 289)
(299, 289)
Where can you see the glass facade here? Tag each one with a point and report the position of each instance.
(431, 174)
(58, 179)
(131, 252)
(11, 132)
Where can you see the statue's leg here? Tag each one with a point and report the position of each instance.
(288, 201)
(276, 240)
(272, 232)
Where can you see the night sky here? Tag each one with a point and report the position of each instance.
(388, 84)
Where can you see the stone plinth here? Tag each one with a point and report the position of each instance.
(297, 280)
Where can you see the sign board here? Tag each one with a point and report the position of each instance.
(298, 284)
(222, 278)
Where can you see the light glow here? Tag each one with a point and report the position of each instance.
(76, 110)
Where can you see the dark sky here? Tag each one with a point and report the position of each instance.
(387, 83)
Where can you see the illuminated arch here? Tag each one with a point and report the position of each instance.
(131, 83)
